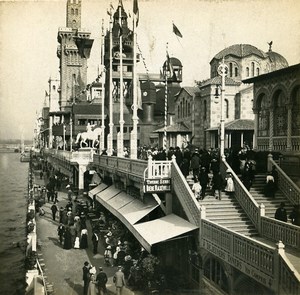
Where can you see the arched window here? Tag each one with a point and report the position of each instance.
(257, 71)
(247, 72)
(204, 110)
(76, 11)
(236, 71)
(230, 69)
(263, 115)
(178, 112)
(226, 107)
(72, 11)
(280, 114)
(252, 69)
(296, 111)
(181, 110)
(186, 108)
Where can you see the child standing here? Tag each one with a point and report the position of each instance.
(196, 188)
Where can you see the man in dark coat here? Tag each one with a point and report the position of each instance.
(280, 213)
(101, 281)
(95, 240)
(86, 277)
(61, 232)
(204, 180)
(54, 209)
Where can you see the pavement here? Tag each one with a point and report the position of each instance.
(63, 268)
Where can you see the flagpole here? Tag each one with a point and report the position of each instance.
(166, 101)
(120, 137)
(133, 139)
(111, 123)
(101, 147)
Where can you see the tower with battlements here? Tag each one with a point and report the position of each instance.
(73, 52)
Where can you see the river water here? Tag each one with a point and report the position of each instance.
(13, 209)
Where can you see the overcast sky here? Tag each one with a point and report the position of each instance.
(28, 31)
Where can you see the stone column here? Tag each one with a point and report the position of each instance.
(271, 129)
(255, 129)
(289, 128)
(82, 169)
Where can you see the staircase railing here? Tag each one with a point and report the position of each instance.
(266, 264)
(243, 196)
(185, 194)
(285, 184)
(267, 227)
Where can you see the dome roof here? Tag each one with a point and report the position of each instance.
(175, 62)
(240, 50)
(277, 60)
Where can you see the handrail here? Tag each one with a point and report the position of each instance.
(277, 230)
(42, 275)
(285, 184)
(264, 263)
(185, 194)
(243, 196)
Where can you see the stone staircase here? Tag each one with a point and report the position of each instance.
(257, 192)
(226, 212)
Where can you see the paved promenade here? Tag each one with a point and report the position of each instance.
(63, 268)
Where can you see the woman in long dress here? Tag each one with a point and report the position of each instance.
(68, 239)
(92, 289)
(84, 239)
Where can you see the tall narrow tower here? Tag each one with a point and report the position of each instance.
(73, 51)
(127, 56)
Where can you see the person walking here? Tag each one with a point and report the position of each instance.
(54, 209)
(196, 188)
(101, 280)
(280, 213)
(95, 240)
(86, 277)
(270, 186)
(68, 239)
(204, 180)
(84, 240)
(92, 288)
(295, 215)
(61, 232)
(217, 185)
(229, 188)
(119, 280)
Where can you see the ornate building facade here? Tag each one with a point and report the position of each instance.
(243, 61)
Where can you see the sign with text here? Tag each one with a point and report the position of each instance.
(157, 185)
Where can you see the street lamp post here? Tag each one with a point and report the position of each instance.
(222, 71)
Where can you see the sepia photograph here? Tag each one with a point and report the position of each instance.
(150, 147)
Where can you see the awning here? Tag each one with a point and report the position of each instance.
(137, 209)
(125, 207)
(97, 189)
(161, 229)
(108, 193)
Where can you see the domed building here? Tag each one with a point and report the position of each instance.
(244, 61)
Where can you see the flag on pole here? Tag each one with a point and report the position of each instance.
(46, 93)
(169, 69)
(136, 11)
(176, 31)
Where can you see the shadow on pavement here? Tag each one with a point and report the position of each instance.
(78, 288)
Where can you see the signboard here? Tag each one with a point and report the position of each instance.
(152, 185)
